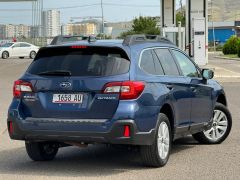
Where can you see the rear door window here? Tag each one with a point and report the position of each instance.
(168, 63)
(150, 63)
(81, 61)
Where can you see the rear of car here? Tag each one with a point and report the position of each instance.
(131, 93)
(76, 94)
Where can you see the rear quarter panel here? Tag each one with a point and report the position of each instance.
(155, 94)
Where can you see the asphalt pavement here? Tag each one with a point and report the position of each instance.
(188, 160)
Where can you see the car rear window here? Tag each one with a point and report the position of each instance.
(81, 61)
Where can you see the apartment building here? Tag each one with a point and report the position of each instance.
(2, 31)
(51, 23)
(79, 29)
(11, 31)
(23, 30)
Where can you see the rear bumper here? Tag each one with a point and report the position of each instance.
(36, 130)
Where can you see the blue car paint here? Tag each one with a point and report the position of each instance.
(188, 108)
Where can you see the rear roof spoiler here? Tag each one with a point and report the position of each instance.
(142, 38)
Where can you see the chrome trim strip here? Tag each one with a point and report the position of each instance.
(68, 121)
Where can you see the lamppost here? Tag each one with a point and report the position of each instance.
(213, 28)
(102, 18)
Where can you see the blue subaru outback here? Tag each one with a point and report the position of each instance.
(142, 91)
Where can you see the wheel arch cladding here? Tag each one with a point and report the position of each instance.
(222, 99)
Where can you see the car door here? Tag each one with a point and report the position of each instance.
(16, 50)
(178, 91)
(25, 49)
(202, 102)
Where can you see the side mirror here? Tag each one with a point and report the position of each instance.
(207, 74)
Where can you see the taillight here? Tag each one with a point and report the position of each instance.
(127, 90)
(20, 87)
(126, 132)
(10, 128)
(79, 47)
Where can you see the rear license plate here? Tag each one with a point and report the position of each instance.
(68, 98)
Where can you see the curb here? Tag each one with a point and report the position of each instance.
(220, 57)
(227, 76)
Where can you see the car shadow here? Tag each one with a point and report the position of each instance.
(72, 161)
(183, 144)
(188, 140)
(96, 160)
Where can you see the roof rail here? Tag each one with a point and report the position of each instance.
(142, 38)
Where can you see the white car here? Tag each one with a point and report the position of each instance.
(18, 49)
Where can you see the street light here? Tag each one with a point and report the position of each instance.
(102, 18)
(213, 28)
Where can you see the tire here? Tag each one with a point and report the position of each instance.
(151, 155)
(41, 151)
(32, 54)
(21, 57)
(5, 55)
(221, 127)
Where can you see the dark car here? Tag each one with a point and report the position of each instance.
(143, 92)
(66, 39)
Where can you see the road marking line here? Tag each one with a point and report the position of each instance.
(227, 70)
(234, 77)
(4, 131)
(218, 72)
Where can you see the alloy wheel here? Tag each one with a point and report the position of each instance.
(5, 55)
(163, 141)
(33, 55)
(219, 126)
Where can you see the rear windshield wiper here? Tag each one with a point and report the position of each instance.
(55, 73)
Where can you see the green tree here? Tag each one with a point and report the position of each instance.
(143, 25)
(232, 45)
(103, 36)
(181, 17)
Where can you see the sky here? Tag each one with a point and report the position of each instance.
(114, 10)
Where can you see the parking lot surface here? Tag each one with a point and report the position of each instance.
(189, 160)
